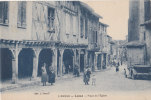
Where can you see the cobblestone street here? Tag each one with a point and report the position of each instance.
(107, 80)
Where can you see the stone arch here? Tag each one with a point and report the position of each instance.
(6, 64)
(68, 62)
(25, 62)
(82, 62)
(45, 56)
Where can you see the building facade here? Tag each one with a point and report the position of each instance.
(61, 34)
(101, 55)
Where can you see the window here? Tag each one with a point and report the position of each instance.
(82, 27)
(71, 24)
(86, 29)
(21, 14)
(96, 35)
(51, 17)
(4, 13)
(67, 23)
(147, 5)
(144, 36)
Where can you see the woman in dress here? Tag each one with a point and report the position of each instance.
(44, 74)
(52, 76)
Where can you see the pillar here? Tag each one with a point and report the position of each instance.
(61, 62)
(79, 59)
(85, 59)
(74, 59)
(54, 61)
(15, 64)
(95, 61)
(35, 63)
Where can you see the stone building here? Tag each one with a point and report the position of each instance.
(61, 34)
(101, 54)
(138, 46)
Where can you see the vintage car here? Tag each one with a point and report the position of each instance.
(140, 71)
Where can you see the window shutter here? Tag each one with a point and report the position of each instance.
(21, 14)
(24, 14)
(147, 10)
(1, 12)
(6, 12)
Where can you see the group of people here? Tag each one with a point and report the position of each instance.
(86, 77)
(116, 64)
(47, 76)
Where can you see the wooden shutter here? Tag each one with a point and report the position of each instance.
(1, 12)
(5, 12)
(147, 10)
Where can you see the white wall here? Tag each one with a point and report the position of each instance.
(11, 31)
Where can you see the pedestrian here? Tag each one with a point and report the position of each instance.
(93, 80)
(44, 74)
(88, 73)
(117, 67)
(52, 75)
(125, 73)
(85, 77)
(76, 70)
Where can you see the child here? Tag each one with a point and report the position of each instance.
(93, 80)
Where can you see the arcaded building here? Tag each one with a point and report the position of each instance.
(61, 34)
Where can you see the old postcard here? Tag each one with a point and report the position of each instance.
(80, 50)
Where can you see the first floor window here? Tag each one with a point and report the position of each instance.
(4, 12)
(21, 14)
(82, 27)
(51, 17)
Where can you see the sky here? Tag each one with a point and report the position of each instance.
(115, 13)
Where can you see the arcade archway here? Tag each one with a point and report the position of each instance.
(45, 56)
(68, 60)
(6, 64)
(82, 53)
(25, 63)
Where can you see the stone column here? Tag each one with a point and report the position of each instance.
(54, 61)
(79, 59)
(15, 64)
(95, 60)
(61, 62)
(35, 63)
(74, 59)
(85, 59)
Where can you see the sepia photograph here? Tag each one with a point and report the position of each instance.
(75, 50)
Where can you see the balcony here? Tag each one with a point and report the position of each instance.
(93, 47)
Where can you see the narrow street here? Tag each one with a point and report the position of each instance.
(106, 80)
